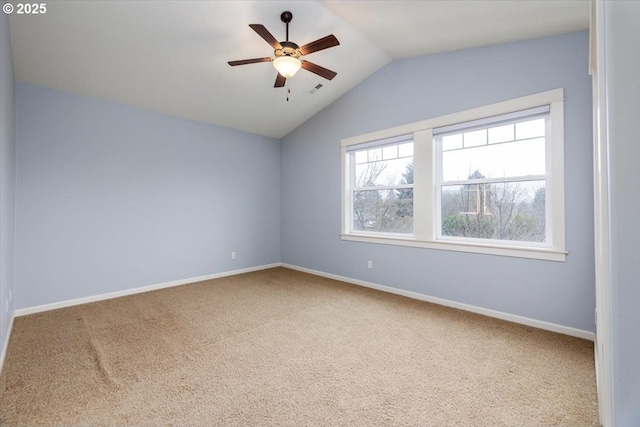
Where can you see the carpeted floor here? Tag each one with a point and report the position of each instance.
(280, 347)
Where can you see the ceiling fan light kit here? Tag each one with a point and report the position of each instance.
(287, 54)
(287, 66)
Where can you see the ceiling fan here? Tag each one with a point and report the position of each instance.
(287, 54)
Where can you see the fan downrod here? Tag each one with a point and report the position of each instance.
(286, 17)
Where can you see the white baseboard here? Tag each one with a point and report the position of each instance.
(5, 345)
(125, 292)
(566, 330)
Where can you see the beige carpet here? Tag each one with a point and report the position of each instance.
(280, 347)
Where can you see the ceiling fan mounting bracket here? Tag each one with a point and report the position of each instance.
(286, 16)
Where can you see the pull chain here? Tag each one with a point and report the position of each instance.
(288, 88)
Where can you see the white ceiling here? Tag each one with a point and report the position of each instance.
(171, 56)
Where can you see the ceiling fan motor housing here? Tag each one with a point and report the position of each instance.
(288, 49)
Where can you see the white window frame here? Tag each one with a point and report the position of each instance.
(425, 203)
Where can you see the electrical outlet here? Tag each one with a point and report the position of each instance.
(369, 264)
(233, 255)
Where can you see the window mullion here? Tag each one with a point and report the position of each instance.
(423, 215)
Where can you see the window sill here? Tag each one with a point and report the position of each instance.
(479, 248)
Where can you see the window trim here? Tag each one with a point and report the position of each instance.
(424, 231)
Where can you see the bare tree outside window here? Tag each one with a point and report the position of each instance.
(502, 211)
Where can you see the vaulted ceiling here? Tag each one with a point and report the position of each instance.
(171, 56)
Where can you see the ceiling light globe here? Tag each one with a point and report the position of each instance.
(287, 66)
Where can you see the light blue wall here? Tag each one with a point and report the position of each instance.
(7, 177)
(622, 32)
(410, 90)
(111, 197)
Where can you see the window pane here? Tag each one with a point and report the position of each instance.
(390, 152)
(374, 154)
(530, 129)
(518, 158)
(360, 156)
(391, 172)
(452, 142)
(405, 150)
(498, 211)
(475, 138)
(501, 134)
(388, 211)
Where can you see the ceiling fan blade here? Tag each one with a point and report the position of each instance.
(250, 61)
(266, 35)
(321, 71)
(320, 44)
(280, 80)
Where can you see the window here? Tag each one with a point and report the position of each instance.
(491, 179)
(381, 186)
(487, 180)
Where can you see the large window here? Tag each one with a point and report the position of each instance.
(487, 180)
(492, 177)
